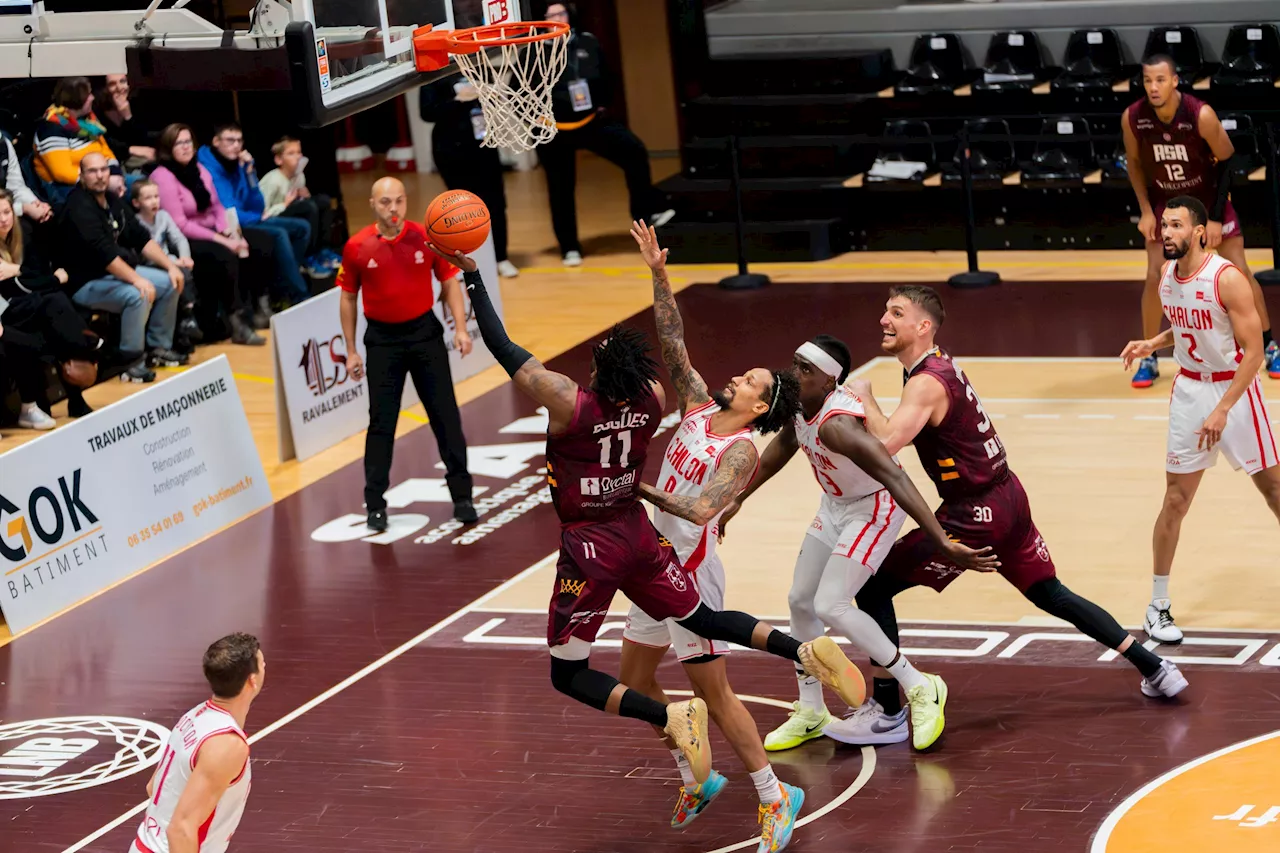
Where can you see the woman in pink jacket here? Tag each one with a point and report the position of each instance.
(187, 195)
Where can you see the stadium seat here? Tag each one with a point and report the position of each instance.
(1015, 63)
(1064, 154)
(1183, 45)
(1114, 163)
(1251, 56)
(989, 159)
(1094, 61)
(939, 63)
(906, 156)
(1248, 157)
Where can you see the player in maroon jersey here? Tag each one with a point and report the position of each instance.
(597, 439)
(1175, 145)
(983, 502)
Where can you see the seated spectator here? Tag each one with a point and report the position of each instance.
(126, 136)
(105, 246)
(187, 194)
(44, 327)
(146, 206)
(25, 202)
(68, 133)
(236, 181)
(285, 193)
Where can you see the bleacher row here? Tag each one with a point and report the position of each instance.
(821, 146)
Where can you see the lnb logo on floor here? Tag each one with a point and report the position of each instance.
(40, 758)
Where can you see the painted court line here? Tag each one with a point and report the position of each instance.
(342, 685)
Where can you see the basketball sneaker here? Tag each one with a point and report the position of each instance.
(1148, 373)
(694, 798)
(1168, 682)
(778, 820)
(572, 259)
(928, 702)
(803, 724)
(1159, 623)
(869, 724)
(1272, 359)
(687, 726)
(825, 661)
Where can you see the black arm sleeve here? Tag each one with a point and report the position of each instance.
(1219, 208)
(510, 356)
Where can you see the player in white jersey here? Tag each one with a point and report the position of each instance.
(198, 791)
(709, 459)
(1216, 402)
(864, 493)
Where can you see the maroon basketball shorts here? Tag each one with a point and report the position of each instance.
(1230, 222)
(999, 517)
(597, 560)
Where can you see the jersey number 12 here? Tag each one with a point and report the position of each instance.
(606, 449)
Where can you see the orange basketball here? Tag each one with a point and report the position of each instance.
(457, 221)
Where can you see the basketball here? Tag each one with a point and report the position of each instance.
(457, 221)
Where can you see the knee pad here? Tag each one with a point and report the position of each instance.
(1046, 594)
(830, 610)
(562, 673)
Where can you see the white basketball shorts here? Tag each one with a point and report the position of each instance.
(1247, 441)
(643, 629)
(863, 530)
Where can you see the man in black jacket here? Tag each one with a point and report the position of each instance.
(578, 99)
(105, 246)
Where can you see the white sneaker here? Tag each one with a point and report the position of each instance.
(506, 269)
(572, 259)
(32, 417)
(870, 725)
(1168, 682)
(804, 724)
(1159, 623)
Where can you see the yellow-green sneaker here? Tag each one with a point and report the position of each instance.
(802, 725)
(928, 702)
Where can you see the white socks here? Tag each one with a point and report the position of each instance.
(686, 772)
(810, 692)
(908, 676)
(1159, 588)
(767, 785)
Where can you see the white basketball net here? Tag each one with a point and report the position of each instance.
(515, 90)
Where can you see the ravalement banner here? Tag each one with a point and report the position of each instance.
(117, 490)
(318, 404)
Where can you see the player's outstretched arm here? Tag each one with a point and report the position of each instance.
(775, 457)
(920, 397)
(690, 386)
(731, 477)
(220, 760)
(847, 436)
(1236, 295)
(554, 390)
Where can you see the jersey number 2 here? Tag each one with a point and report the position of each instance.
(606, 448)
(1191, 347)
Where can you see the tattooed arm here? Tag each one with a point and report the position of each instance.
(689, 385)
(732, 475)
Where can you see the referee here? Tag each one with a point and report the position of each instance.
(390, 263)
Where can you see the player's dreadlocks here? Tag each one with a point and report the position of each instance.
(624, 369)
(784, 402)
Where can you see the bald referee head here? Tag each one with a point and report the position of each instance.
(389, 204)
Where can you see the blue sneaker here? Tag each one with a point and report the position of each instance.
(330, 258)
(693, 799)
(1272, 359)
(778, 820)
(1148, 373)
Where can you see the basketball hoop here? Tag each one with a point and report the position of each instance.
(514, 84)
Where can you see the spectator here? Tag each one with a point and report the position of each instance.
(68, 133)
(285, 193)
(43, 324)
(25, 202)
(160, 225)
(105, 246)
(125, 134)
(465, 164)
(187, 194)
(236, 181)
(578, 99)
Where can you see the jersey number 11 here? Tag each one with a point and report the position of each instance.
(606, 449)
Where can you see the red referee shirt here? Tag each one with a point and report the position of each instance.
(395, 275)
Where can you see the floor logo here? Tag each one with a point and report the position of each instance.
(40, 758)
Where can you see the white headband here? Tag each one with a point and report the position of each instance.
(820, 359)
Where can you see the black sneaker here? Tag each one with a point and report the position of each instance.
(465, 511)
(162, 357)
(138, 373)
(190, 329)
(377, 520)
